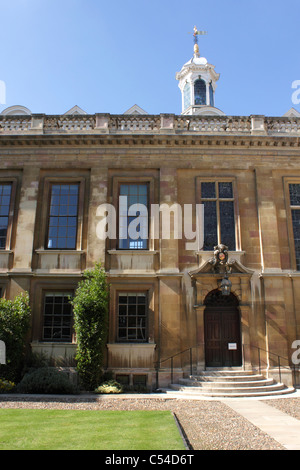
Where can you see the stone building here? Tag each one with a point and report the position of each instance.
(168, 294)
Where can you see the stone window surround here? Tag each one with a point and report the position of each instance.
(38, 292)
(13, 180)
(134, 177)
(233, 180)
(286, 182)
(46, 182)
(131, 286)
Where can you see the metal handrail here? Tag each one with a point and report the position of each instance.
(278, 356)
(171, 358)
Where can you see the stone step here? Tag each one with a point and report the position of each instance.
(231, 382)
(235, 393)
(225, 384)
(226, 378)
(230, 372)
(245, 389)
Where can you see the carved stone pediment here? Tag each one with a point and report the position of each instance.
(220, 263)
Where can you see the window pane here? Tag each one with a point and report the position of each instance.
(135, 194)
(295, 194)
(211, 95)
(225, 190)
(132, 312)
(227, 224)
(296, 230)
(219, 217)
(63, 216)
(200, 92)
(57, 317)
(5, 193)
(187, 96)
(210, 225)
(208, 190)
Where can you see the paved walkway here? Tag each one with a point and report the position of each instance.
(283, 428)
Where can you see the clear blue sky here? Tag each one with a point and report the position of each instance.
(106, 56)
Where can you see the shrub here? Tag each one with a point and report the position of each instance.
(111, 386)
(46, 380)
(6, 386)
(14, 325)
(90, 305)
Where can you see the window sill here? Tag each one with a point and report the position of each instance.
(56, 251)
(132, 252)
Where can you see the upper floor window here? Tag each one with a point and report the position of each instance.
(200, 91)
(133, 216)
(63, 216)
(294, 191)
(5, 200)
(219, 214)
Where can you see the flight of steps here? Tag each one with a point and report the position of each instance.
(229, 383)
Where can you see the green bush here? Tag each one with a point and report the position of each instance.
(111, 386)
(6, 386)
(14, 325)
(46, 380)
(90, 305)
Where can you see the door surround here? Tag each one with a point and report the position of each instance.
(222, 330)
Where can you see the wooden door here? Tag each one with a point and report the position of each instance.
(222, 332)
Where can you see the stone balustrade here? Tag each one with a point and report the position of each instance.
(149, 124)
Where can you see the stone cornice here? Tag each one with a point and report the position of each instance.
(152, 140)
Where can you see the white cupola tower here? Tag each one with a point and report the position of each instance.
(197, 82)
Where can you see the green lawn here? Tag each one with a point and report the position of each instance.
(22, 429)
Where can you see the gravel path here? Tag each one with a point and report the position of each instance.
(208, 425)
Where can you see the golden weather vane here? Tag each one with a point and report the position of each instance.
(197, 33)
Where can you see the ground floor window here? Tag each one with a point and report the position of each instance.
(132, 317)
(58, 317)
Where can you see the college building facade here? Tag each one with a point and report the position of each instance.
(232, 300)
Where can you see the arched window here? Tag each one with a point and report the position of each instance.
(186, 96)
(200, 92)
(211, 95)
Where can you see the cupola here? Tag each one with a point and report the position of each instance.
(198, 82)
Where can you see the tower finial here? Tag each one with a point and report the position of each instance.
(196, 34)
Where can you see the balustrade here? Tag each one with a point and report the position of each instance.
(125, 124)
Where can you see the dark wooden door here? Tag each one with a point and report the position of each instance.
(222, 334)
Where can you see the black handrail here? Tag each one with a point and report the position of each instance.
(171, 358)
(278, 356)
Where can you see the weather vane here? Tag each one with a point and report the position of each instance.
(197, 33)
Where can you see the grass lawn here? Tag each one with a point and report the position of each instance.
(29, 429)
